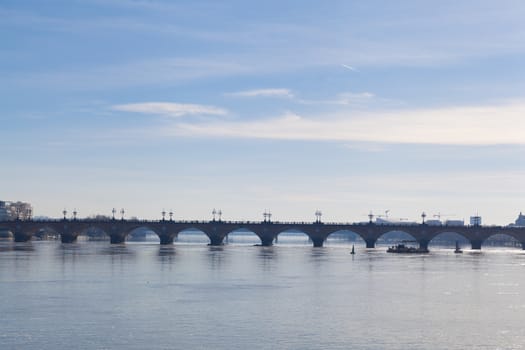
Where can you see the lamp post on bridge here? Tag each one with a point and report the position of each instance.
(122, 214)
(64, 212)
(75, 214)
(318, 215)
(220, 214)
(113, 211)
(423, 216)
(163, 215)
(213, 212)
(267, 216)
(171, 215)
(370, 217)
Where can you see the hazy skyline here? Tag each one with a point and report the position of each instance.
(293, 106)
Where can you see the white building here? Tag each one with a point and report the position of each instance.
(520, 221)
(4, 214)
(434, 222)
(14, 210)
(455, 223)
(475, 220)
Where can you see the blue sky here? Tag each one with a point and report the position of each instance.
(292, 106)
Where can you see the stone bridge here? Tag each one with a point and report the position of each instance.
(217, 230)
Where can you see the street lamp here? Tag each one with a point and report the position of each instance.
(318, 215)
(267, 216)
(113, 211)
(370, 217)
(75, 214)
(220, 214)
(213, 212)
(122, 214)
(423, 216)
(163, 215)
(65, 213)
(171, 215)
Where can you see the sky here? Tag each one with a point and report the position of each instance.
(347, 107)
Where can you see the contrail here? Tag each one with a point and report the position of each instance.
(349, 67)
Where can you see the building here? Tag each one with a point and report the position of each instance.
(454, 223)
(4, 214)
(15, 210)
(434, 222)
(475, 220)
(520, 221)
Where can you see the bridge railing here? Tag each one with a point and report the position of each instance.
(249, 222)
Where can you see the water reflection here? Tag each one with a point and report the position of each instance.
(166, 251)
(296, 293)
(318, 253)
(19, 253)
(166, 254)
(117, 250)
(5, 246)
(216, 256)
(68, 253)
(267, 257)
(9, 246)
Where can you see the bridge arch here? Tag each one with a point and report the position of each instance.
(448, 238)
(192, 234)
(242, 235)
(141, 233)
(503, 239)
(293, 236)
(45, 232)
(348, 235)
(47, 229)
(95, 232)
(394, 236)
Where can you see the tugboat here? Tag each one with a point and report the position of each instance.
(458, 249)
(402, 248)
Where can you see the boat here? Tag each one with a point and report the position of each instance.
(353, 250)
(458, 249)
(403, 248)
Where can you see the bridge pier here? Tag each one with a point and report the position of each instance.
(476, 244)
(117, 239)
(370, 242)
(19, 236)
(318, 242)
(68, 237)
(266, 241)
(216, 240)
(423, 244)
(166, 239)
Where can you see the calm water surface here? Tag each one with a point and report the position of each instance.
(91, 295)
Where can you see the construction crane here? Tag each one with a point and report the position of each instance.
(385, 215)
(439, 215)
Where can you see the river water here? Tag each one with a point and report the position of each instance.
(91, 295)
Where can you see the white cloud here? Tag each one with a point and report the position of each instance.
(263, 93)
(469, 125)
(350, 67)
(351, 98)
(170, 109)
